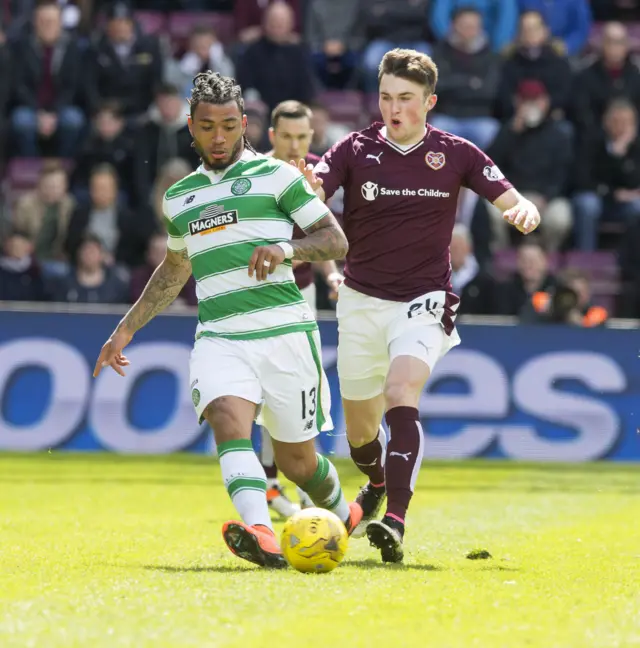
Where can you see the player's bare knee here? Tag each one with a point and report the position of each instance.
(359, 435)
(298, 466)
(402, 393)
(222, 416)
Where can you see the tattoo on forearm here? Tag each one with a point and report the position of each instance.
(324, 241)
(164, 286)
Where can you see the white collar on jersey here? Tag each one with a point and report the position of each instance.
(217, 176)
(402, 148)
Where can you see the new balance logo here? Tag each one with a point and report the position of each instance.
(405, 456)
(375, 157)
(189, 200)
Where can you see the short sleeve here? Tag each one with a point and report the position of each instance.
(334, 165)
(175, 242)
(300, 202)
(482, 175)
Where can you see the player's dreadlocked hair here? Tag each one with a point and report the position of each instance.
(212, 87)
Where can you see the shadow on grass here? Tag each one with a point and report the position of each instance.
(371, 563)
(196, 569)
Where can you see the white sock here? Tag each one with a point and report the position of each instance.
(325, 490)
(245, 481)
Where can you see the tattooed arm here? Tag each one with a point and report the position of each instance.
(164, 286)
(324, 241)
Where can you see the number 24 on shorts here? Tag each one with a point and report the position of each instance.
(427, 307)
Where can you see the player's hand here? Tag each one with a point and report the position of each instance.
(264, 260)
(307, 172)
(334, 281)
(111, 353)
(525, 216)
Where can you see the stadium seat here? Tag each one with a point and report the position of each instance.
(600, 266)
(505, 263)
(371, 106)
(151, 22)
(181, 24)
(22, 175)
(345, 106)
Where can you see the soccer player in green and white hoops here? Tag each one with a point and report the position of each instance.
(230, 223)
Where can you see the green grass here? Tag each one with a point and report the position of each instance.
(102, 551)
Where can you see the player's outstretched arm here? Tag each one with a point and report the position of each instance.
(324, 241)
(518, 211)
(164, 286)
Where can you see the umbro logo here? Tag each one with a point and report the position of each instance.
(189, 200)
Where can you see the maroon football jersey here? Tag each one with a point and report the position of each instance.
(400, 207)
(303, 274)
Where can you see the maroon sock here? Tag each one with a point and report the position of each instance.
(369, 458)
(404, 456)
(270, 471)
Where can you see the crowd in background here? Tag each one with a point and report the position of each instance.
(93, 131)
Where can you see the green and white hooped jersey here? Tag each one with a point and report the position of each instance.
(220, 218)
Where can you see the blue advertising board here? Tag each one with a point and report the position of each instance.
(516, 392)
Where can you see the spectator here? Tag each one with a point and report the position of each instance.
(171, 172)
(534, 152)
(612, 74)
(108, 143)
(249, 19)
(5, 93)
(274, 69)
(569, 302)
(164, 136)
(469, 73)
(44, 215)
(122, 233)
(205, 52)
(124, 64)
(92, 280)
(386, 24)
(334, 43)
(20, 277)
(325, 132)
(569, 21)
(156, 251)
(476, 288)
(499, 17)
(608, 171)
(534, 57)
(47, 77)
(531, 276)
(257, 132)
(630, 271)
(623, 10)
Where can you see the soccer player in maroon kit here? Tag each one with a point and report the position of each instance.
(396, 312)
(290, 136)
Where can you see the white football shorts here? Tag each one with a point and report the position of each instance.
(283, 374)
(372, 332)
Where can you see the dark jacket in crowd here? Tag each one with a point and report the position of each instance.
(277, 72)
(535, 160)
(550, 68)
(28, 74)
(467, 82)
(596, 86)
(131, 81)
(480, 296)
(598, 169)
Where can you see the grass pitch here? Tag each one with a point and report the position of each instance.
(109, 552)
